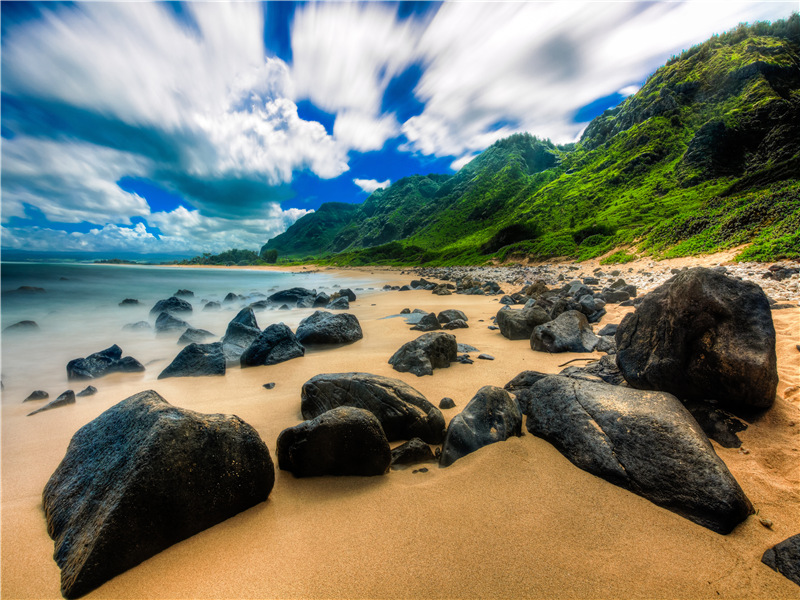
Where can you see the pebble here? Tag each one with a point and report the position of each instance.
(269, 385)
(486, 356)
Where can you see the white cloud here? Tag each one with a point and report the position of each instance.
(629, 90)
(370, 185)
(458, 163)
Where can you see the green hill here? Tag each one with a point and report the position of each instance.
(706, 156)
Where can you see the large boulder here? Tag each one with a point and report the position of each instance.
(328, 328)
(491, 416)
(145, 475)
(429, 351)
(241, 332)
(702, 335)
(568, 332)
(171, 305)
(428, 322)
(342, 441)
(276, 344)
(451, 314)
(403, 412)
(519, 324)
(785, 558)
(196, 360)
(340, 303)
(102, 363)
(644, 441)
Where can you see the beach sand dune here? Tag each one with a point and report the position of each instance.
(515, 519)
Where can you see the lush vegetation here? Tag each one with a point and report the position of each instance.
(230, 258)
(706, 156)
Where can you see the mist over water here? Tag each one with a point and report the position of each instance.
(79, 314)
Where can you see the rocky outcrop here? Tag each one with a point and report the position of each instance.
(171, 305)
(429, 351)
(291, 296)
(342, 441)
(328, 328)
(428, 322)
(166, 322)
(241, 332)
(702, 335)
(102, 363)
(276, 344)
(519, 324)
(196, 360)
(569, 332)
(644, 441)
(491, 416)
(403, 412)
(145, 475)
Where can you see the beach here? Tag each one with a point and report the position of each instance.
(513, 519)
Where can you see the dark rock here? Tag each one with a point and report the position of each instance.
(67, 397)
(607, 344)
(284, 307)
(305, 302)
(427, 323)
(405, 311)
(485, 356)
(212, 306)
(192, 335)
(451, 314)
(615, 296)
(719, 425)
(785, 558)
(342, 441)
(37, 395)
(403, 412)
(320, 300)
(197, 360)
(102, 363)
(138, 326)
(465, 360)
(419, 311)
(442, 291)
(145, 475)
(328, 328)
(605, 369)
(269, 386)
(129, 302)
(404, 288)
(25, 290)
(340, 303)
(455, 324)
(519, 324)
(22, 326)
(171, 305)
(702, 335)
(465, 348)
(523, 381)
(241, 332)
(166, 322)
(291, 296)
(231, 297)
(347, 293)
(429, 351)
(259, 305)
(89, 390)
(610, 329)
(646, 442)
(184, 294)
(446, 403)
(507, 300)
(491, 416)
(276, 344)
(413, 452)
(569, 332)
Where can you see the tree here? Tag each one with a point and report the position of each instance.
(270, 256)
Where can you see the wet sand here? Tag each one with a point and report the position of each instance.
(515, 519)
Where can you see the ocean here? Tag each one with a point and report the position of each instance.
(78, 313)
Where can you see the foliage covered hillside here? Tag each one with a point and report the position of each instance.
(704, 157)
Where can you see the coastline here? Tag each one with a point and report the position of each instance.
(515, 519)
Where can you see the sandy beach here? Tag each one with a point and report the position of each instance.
(514, 519)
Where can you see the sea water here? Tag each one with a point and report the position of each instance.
(79, 313)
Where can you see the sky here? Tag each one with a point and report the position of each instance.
(179, 128)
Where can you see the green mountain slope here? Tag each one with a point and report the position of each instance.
(705, 156)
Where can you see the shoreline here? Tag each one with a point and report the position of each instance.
(514, 519)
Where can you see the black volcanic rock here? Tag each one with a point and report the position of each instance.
(37, 395)
(89, 390)
(434, 350)
(291, 296)
(413, 452)
(342, 441)
(403, 412)
(328, 328)
(241, 332)
(785, 558)
(67, 397)
(451, 314)
(340, 303)
(702, 335)
(491, 416)
(276, 344)
(129, 302)
(568, 332)
(644, 441)
(21, 327)
(519, 324)
(102, 363)
(428, 322)
(196, 360)
(145, 475)
(171, 305)
(192, 335)
(165, 322)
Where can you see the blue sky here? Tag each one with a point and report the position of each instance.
(181, 128)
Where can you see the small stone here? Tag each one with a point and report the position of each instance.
(744, 450)
(269, 386)
(766, 522)
(485, 356)
(88, 391)
(422, 470)
(37, 395)
(446, 403)
(493, 327)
